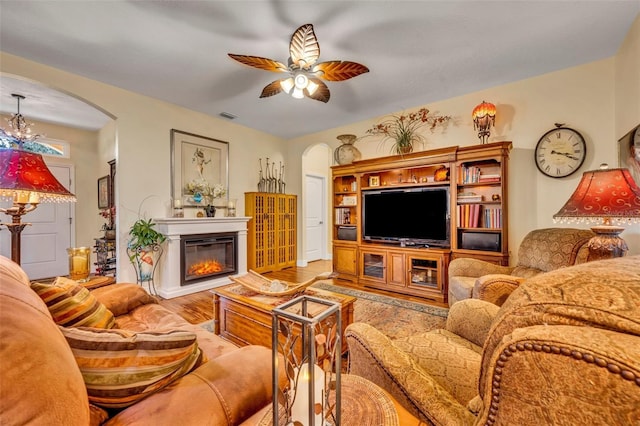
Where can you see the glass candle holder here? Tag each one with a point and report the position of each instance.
(79, 263)
(231, 208)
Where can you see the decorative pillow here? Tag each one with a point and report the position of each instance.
(123, 298)
(70, 304)
(121, 367)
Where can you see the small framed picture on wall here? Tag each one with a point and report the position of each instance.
(103, 192)
(374, 180)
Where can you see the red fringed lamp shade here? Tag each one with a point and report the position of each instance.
(609, 195)
(604, 196)
(24, 177)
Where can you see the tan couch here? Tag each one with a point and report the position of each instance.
(41, 384)
(564, 349)
(541, 250)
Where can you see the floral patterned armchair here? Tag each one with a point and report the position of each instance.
(564, 349)
(542, 250)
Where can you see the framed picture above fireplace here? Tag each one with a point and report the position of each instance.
(199, 169)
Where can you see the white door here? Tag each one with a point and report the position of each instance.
(314, 208)
(44, 243)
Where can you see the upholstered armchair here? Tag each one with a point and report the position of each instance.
(541, 250)
(564, 349)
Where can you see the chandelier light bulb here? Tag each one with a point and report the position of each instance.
(301, 81)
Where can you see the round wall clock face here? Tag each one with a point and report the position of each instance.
(560, 152)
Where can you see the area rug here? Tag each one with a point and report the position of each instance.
(395, 318)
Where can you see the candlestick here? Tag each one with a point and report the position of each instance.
(177, 204)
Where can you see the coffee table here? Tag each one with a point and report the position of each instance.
(244, 316)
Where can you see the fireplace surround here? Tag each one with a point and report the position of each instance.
(178, 231)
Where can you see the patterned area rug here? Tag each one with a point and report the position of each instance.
(395, 318)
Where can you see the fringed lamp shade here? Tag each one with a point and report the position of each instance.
(25, 178)
(604, 196)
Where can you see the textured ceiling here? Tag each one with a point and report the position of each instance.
(418, 52)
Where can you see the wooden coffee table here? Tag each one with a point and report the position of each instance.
(244, 316)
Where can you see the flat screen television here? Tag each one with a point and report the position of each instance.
(415, 216)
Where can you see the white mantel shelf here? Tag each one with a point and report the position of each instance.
(168, 282)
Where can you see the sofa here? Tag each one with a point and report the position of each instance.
(41, 382)
(541, 250)
(564, 349)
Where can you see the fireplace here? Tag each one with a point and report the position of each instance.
(206, 256)
(170, 279)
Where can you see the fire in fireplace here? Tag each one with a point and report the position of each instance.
(206, 256)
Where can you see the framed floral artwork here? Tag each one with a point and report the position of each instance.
(199, 169)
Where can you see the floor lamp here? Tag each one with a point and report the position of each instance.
(604, 196)
(26, 180)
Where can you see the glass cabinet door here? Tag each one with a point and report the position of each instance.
(423, 272)
(373, 265)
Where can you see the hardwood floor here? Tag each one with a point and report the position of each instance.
(198, 307)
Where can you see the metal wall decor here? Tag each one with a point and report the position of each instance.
(271, 179)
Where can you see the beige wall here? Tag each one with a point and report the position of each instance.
(142, 145)
(526, 109)
(599, 99)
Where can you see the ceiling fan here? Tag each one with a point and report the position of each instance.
(305, 74)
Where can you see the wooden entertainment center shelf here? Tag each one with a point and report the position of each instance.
(473, 180)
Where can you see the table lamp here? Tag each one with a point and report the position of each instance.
(605, 196)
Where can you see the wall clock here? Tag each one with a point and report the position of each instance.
(560, 152)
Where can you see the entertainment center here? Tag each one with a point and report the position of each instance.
(400, 220)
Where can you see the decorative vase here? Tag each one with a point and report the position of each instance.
(346, 153)
(405, 149)
(110, 234)
(210, 210)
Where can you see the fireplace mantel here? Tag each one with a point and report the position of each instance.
(168, 281)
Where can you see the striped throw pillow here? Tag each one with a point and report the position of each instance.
(70, 304)
(121, 367)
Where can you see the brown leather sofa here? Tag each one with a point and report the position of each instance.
(541, 250)
(564, 349)
(41, 384)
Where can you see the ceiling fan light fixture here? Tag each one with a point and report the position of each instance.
(287, 84)
(297, 93)
(304, 52)
(312, 87)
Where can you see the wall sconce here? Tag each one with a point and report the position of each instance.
(484, 116)
(307, 340)
(605, 196)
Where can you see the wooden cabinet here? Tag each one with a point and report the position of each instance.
(345, 263)
(418, 272)
(475, 181)
(271, 237)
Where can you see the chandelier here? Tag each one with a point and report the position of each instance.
(19, 130)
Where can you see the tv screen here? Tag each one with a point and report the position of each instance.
(418, 215)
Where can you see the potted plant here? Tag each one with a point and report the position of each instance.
(144, 248)
(402, 129)
(109, 228)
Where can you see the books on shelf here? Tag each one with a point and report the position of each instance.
(469, 197)
(343, 216)
(478, 216)
(473, 174)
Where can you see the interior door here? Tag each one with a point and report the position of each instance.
(315, 223)
(44, 243)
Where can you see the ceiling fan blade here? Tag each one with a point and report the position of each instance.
(304, 49)
(339, 70)
(271, 89)
(259, 62)
(321, 93)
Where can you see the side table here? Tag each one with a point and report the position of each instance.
(363, 404)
